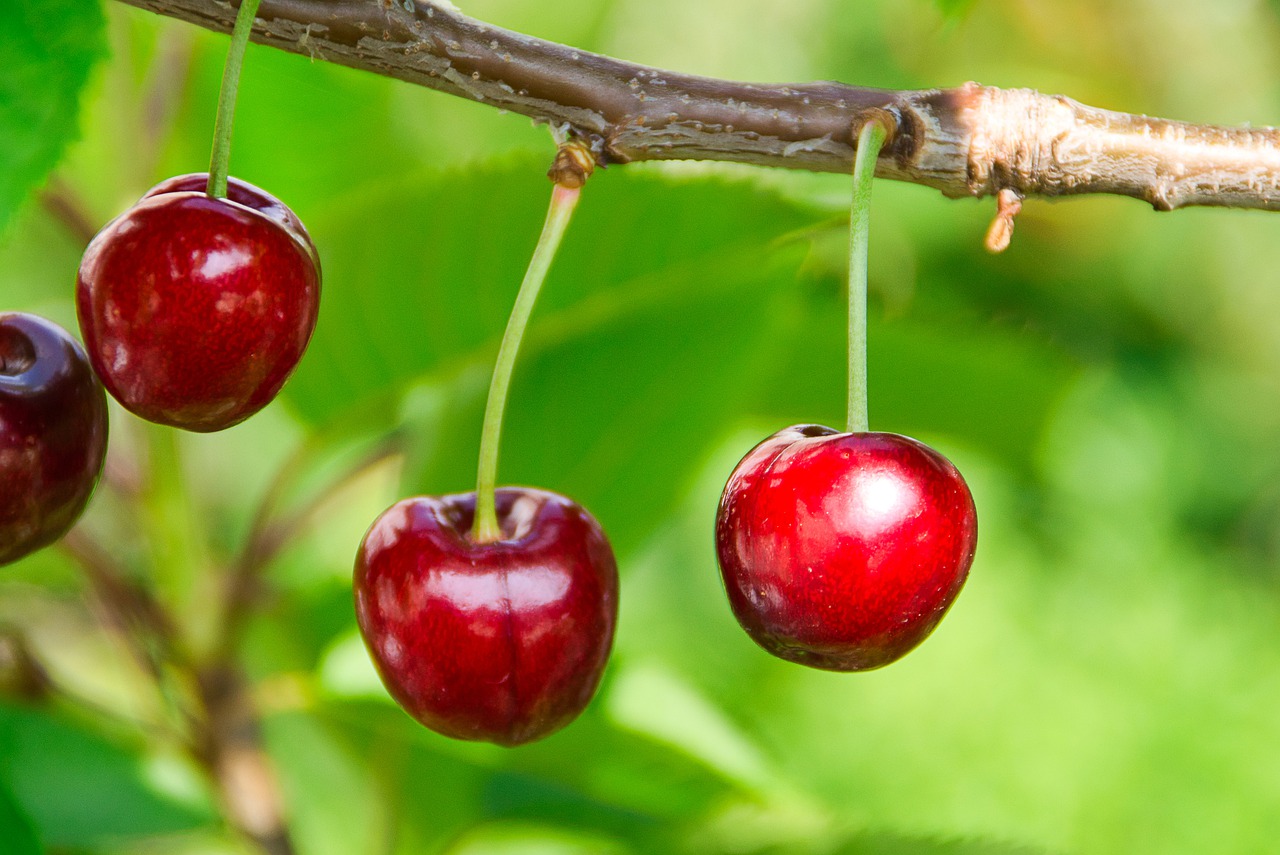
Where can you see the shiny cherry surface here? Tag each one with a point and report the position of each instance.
(843, 551)
(53, 433)
(195, 310)
(502, 641)
(243, 193)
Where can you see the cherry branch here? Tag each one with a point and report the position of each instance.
(966, 141)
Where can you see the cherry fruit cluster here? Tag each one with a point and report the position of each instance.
(489, 615)
(194, 311)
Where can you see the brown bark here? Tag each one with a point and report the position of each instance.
(965, 141)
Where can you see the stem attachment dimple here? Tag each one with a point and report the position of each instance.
(871, 139)
(564, 199)
(219, 161)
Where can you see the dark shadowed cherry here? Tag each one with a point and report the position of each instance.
(53, 433)
(843, 550)
(501, 641)
(195, 310)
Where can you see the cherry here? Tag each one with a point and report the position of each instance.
(194, 309)
(843, 551)
(502, 641)
(53, 433)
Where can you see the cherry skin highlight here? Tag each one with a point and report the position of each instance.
(53, 433)
(243, 193)
(843, 551)
(503, 641)
(196, 310)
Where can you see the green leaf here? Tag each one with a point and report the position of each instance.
(334, 807)
(653, 700)
(591, 777)
(80, 788)
(420, 275)
(16, 830)
(532, 839)
(883, 843)
(534, 798)
(955, 9)
(652, 328)
(47, 49)
(979, 382)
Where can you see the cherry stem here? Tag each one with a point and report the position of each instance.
(870, 140)
(219, 161)
(563, 201)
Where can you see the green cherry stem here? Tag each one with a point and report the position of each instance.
(563, 201)
(220, 160)
(870, 140)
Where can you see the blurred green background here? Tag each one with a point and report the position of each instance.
(1106, 683)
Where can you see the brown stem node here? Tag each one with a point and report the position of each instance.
(886, 118)
(573, 165)
(1000, 233)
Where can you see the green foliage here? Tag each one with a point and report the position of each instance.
(1105, 683)
(319, 772)
(47, 49)
(955, 9)
(80, 789)
(892, 844)
(16, 829)
(600, 344)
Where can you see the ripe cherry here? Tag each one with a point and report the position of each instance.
(195, 310)
(842, 551)
(502, 641)
(53, 433)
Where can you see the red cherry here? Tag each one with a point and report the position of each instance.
(195, 310)
(502, 641)
(243, 193)
(843, 550)
(53, 433)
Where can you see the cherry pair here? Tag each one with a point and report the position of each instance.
(490, 615)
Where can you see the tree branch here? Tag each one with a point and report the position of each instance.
(968, 141)
(965, 141)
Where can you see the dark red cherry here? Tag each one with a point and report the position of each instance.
(195, 310)
(53, 433)
(502, 641)
(843, 550)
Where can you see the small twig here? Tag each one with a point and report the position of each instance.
(69, 209)
(165, 88)
(128, 609)
(140, 622)
(25, 677)
(21, 674)
(230, 749)
(271, 532)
